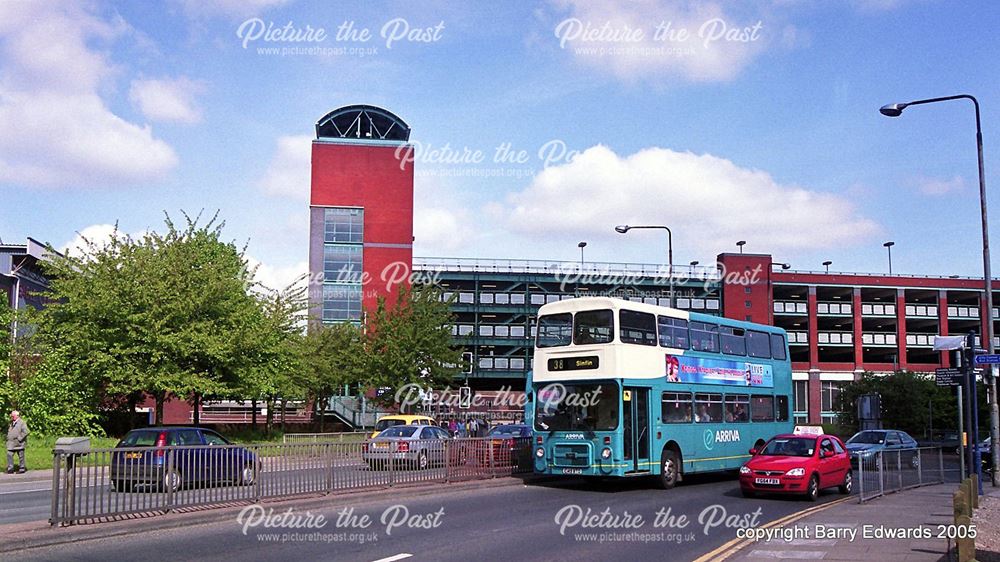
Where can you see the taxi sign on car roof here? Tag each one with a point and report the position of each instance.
(808, 430)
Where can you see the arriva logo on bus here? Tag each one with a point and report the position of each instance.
(721, 436)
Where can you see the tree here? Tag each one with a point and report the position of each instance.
(908, 400)
(53, 397)
(410, 342)
(280, 340)
(332, 356)
(166, 314)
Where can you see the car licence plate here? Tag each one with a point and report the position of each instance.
(766, 481)
(381, 445)
(133, 455)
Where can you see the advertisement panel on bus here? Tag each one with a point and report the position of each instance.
(685, 369)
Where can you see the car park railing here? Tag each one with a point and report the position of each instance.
(883, 472)
(109, 484)
(335, 437)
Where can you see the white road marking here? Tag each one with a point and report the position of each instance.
(399, 556)
(26, 491)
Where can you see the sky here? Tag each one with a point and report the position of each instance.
(537, 125)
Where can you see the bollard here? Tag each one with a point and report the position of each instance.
(966, 544)
(958, 504)
(974, 488)
(967, 496)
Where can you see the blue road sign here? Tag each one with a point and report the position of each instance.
(987, 359)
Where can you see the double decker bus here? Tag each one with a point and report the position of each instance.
(621, 388)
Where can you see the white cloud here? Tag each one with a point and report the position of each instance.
(709, 202)
(167, 99)
(278, 277)
(938, 186)
(440, 230)
(96, 235)
(57, 131)
(696, 41)
(289, 172)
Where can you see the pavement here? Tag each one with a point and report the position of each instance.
(849, 530)
(30, 476)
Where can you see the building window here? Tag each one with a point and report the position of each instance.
(829, 394)
(747, 290)
(800, 405)
(341, 303)
(748, 304)
(343, 225)
(342, 263)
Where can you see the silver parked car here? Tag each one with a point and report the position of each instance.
(417, 446)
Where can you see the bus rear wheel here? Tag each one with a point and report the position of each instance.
(669, 469)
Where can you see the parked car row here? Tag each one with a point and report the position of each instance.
(804, 463)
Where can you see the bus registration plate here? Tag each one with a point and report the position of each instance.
(773, 481)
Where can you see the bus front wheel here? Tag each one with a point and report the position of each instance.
(670, 467)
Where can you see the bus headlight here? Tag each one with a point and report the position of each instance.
(796, 472)
(744, 470)
(606, 453)
(539, 452)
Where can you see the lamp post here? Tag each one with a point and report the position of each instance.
(895, 110)
(888, 246)
(827, 264)
(581, 245)
(740, 245)
(623, 228)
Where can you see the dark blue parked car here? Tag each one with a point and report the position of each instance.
(169, 458)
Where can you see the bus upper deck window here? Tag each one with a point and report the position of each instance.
(555, 330)
(593, 326)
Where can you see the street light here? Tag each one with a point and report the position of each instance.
(888, 246)
(740, 245)
(581, 245)
(783, 265)
(694, 263)
(828, 263)
(895, 110)
(623, 228)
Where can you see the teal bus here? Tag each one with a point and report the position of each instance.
(626, 389)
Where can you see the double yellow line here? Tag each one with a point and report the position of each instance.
(735, 545)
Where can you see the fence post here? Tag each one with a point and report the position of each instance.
(493, 461)
(881, 474)
(331, 456)
(920, 468)
(392, 464)
(861, 480)
(941, 464)
(899, 469)
(167, 464)
(56, 465)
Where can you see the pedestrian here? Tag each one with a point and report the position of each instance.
(461, 428)
(473, 428)
(17, 439)
(452, 427)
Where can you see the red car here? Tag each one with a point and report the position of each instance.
(797, 464)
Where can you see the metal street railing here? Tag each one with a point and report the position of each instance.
(883, 472)
(333, 437)
(109, 484)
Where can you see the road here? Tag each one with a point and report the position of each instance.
(27, 501)
(506, 523)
